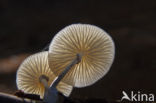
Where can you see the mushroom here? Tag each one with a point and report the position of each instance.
(34, 76)
(95, 47)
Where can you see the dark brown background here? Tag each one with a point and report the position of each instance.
(26, 26)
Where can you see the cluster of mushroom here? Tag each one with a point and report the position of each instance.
(78, 56)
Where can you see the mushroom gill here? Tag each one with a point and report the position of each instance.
(33, 74)
(94, 45)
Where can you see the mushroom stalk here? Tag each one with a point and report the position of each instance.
(60, 77)
(44, 80)
(51, 94)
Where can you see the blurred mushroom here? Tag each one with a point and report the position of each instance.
(93, 44)
(34, 76)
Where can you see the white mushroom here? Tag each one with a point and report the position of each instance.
(34, 75)
(94, 45)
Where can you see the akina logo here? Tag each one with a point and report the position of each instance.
(138, 97)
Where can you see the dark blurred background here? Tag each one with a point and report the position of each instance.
(27, 26)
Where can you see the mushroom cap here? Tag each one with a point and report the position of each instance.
(30, 71)
(95, 46)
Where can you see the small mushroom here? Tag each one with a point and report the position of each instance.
(34, 76)
(95, 47)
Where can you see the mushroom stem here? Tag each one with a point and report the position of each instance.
(45, 83)
(51, 94)
(60, 77)
(44, 80)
